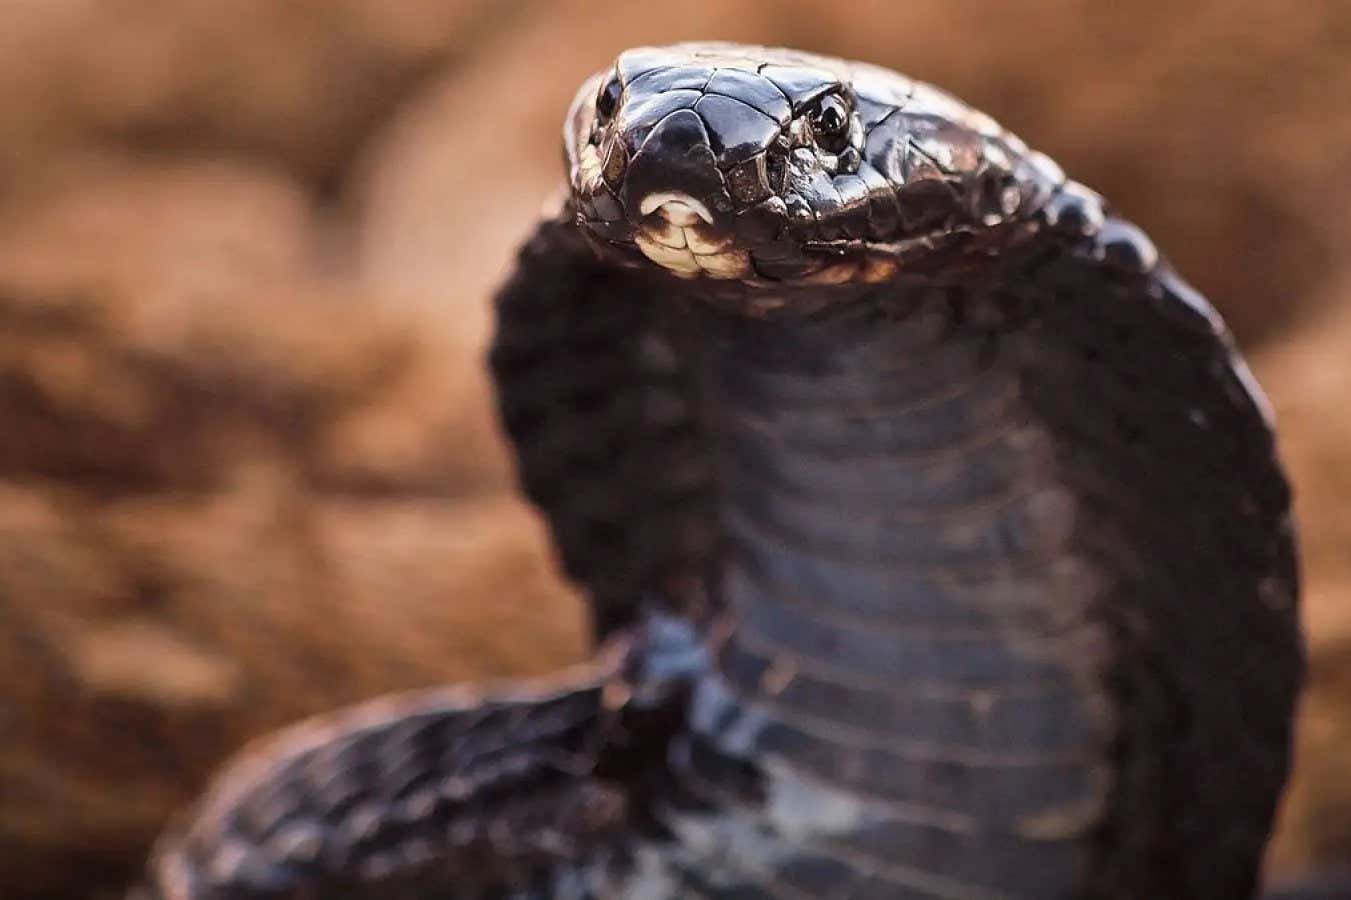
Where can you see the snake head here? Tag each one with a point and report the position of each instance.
(763, 165)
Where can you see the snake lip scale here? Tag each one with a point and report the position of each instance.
(932, 528)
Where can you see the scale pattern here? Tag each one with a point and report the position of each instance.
(938, 522)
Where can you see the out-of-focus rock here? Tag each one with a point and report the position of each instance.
(232, 492)
(300, 82)
(1308, 377)
(428, 426)
(159, 324)
(118, 296)
(1212, 124)
(145, 639)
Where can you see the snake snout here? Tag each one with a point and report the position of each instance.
(678, 232)
(677, 198)
(675, 158)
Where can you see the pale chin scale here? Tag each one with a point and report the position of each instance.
(677, 238)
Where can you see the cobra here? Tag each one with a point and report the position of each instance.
(933, 529)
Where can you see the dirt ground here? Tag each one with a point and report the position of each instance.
(248, 466)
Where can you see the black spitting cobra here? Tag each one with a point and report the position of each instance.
(934, 531)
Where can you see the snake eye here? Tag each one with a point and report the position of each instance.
(829, 119)
(607, 101)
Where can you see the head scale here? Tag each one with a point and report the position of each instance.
(763, 166)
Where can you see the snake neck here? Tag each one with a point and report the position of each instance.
(875, 455)
(901, 656)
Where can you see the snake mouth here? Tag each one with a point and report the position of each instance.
(676, 208)
(677, 232)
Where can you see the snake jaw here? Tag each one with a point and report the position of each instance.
(677, 233)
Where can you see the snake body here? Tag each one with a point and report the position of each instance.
(934, 531)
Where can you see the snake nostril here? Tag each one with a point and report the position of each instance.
(616, 163)
(748, 182)
(776, 170)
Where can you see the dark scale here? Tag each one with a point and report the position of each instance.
(860, 572)
(934, 534)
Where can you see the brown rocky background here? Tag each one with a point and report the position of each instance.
(248, 468)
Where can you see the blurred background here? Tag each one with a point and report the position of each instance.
(248, 465)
